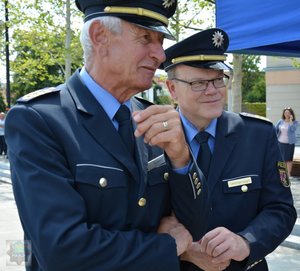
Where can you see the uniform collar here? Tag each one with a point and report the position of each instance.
(109, 103)
(191, 130)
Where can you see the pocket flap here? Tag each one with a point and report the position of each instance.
(100, 176)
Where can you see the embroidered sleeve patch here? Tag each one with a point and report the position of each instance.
(284, 178)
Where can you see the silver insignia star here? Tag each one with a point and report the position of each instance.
(218, 39)
(168, 3)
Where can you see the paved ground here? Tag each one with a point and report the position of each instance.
(285, 257)
(10, 229)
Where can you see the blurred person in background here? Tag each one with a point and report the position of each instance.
(3, 146)
(286, 129)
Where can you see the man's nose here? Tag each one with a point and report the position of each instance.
(158, 53)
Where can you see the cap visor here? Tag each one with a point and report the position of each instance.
(213, 65)
(151, 25)
(197, 64)
(159, 28)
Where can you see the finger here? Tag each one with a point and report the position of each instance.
(220, 249)
(140, 116)
(154, 115)
(155, 122)
(161, 137)
(225, 256)
(208, 238)
(213, 244)
(223, 266)
(157, 133)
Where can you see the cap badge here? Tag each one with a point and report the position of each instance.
(168, 3)
(218, 39)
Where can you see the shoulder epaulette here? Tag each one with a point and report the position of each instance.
(38, 93)
(249, 115)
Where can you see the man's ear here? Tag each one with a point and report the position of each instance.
(98, 34)
(171, 88)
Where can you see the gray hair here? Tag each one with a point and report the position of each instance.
(171, 73)
(113, 24)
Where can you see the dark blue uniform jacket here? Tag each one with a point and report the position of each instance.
(249, 192)
(83, 202)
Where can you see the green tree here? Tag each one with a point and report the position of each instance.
(296, 62)
(163, 99)
(2, 40)
(258, 92)
(42, 43)
(253, 83)
(189, 16)
(2, 104)
(40, 60)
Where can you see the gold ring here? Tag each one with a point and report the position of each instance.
(165, 124)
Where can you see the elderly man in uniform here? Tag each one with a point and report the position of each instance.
(251, 206)
(90, 195)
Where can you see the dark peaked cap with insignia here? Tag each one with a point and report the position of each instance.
(205, 49)
(150, 14)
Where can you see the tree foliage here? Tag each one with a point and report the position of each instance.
(253, 83)
(2, 41)
(191, 16)
(38, 45)
(39, 51)
(39, 60)
(296, 62)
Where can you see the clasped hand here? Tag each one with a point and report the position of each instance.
(216, 249)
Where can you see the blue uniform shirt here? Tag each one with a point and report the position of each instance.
(191, 131)
(109, 103)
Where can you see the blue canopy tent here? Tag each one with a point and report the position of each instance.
(261, 27)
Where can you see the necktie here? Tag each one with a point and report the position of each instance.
(125, 127)
(204, 155)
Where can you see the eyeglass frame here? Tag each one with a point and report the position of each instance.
(225, 76)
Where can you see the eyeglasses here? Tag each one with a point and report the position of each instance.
(287, 108)
(202, 85)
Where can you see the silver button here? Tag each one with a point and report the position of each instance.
(142, 202)
(244, 188)
(103, 182)
(166, 176)
(196, 181)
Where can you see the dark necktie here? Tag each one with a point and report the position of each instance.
(204, 155)
(125, 127)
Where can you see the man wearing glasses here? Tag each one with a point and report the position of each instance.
(251, 206)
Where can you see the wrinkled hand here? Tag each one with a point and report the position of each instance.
(224, 245)
(202, 260)
(171, 226)
(161, 126)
